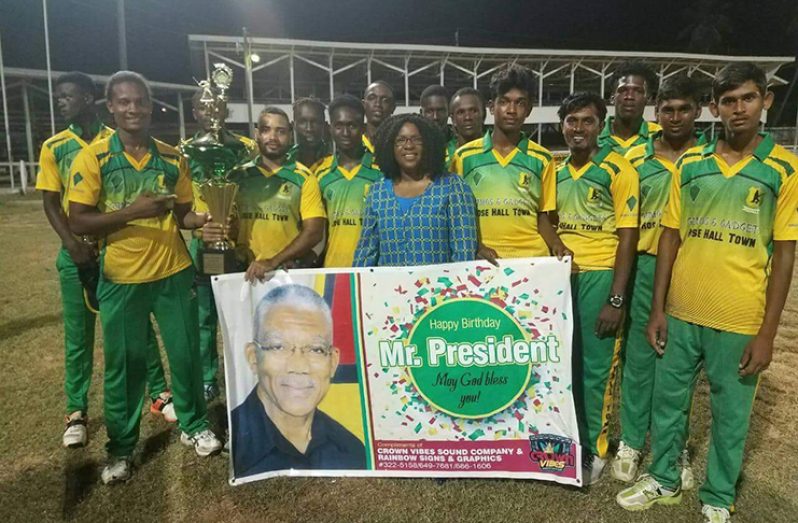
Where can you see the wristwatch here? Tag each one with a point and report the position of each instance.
(615, 301)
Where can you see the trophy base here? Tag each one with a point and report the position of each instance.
(218, 261)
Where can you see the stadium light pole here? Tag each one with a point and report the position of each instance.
(49, 69)
(122, 33)
(5, 115)
(248, 78)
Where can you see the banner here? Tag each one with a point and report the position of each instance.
(459, 370)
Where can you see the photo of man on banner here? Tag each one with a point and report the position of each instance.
(279, 425)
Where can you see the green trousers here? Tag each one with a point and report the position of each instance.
(639, 359)
(79, 323)
(208, 319)
(595, 360)
(125, 311)
(731, 398)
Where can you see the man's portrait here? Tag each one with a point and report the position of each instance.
(279, 425)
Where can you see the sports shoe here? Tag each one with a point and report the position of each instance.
(715, 514)
(645, 493)
(163, 406)
(75, 433)
(211, 391)
(117, 470)
(624, 466)
(204, 442)
(688, 480)
(592, 467)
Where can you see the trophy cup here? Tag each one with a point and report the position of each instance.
(217, 156)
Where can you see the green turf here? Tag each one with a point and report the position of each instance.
(40, 481)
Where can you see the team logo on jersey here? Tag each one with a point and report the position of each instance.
(694, 190)
(328, 194)
(285, 190)
(753, 200)
(523, 179)
(593, 195)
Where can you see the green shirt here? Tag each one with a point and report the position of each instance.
(620, 145)
(344, 195)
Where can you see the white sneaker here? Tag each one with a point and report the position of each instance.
(592, 467)
(204, 442)
(624, 466)
(164, 406)
(75, 434)
(688, 480)
(715, 514)
(117, 470)
(645, 493)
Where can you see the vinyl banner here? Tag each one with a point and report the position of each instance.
(459, 370)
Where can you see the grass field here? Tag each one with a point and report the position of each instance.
(40, 481)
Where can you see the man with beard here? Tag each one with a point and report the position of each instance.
(280, 213)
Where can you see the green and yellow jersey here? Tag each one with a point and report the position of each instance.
(655, 174)
(592, 203)
(728, 217)
(510, 192)
(57, 155)
(451, 148)
(367, 144)
(199, 176)
(106, 177)
(324, 151)
(344, 195)
(620, 145)
(271, 207)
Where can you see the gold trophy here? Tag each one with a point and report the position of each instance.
(217, 156)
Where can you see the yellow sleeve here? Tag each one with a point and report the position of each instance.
(85, 179)
(625, 189)
(310, 204)
(785, 226)
(671, 218)
(183, 189)
(548, 194)
(48, 178)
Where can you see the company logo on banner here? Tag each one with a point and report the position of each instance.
(449, 370)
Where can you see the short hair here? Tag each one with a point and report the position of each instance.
(273, 109)
(575, 101)
(82, 80)
(636, 68)
(512, 76)
(434, 90)
(736, 74)
(679, 86)
(434, 152)
(469, 91)
(378, 82)
(127, 76)
(315, 103)
(346, 101)
(296, 295)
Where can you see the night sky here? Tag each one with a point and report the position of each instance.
(83, 32)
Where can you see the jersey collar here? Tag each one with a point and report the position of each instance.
(761, 151)
(606, 132)
(115, 146)
(487, 142)
(94, 128)
(700, 137)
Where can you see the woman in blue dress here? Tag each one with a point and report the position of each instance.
(418, 214)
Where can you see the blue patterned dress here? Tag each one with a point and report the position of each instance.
(439, 227)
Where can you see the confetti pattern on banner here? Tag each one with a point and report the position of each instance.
(400, 412)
